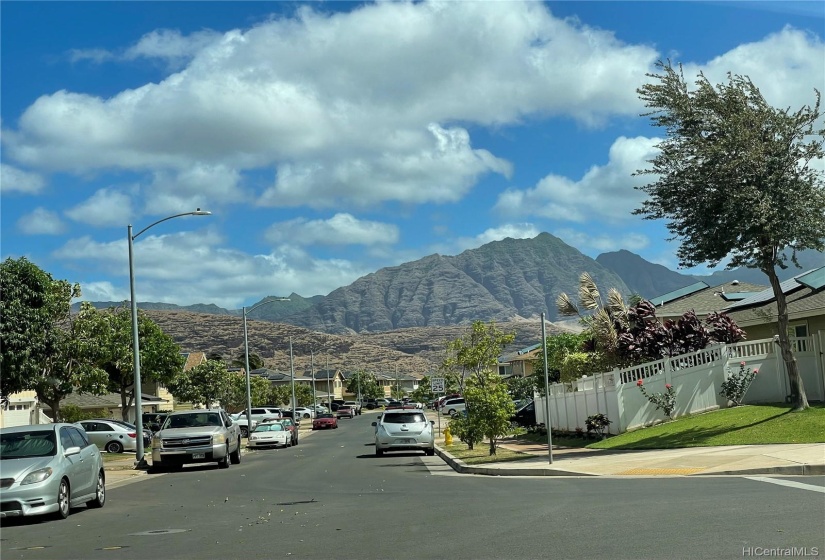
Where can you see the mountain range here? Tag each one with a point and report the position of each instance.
(507, 280)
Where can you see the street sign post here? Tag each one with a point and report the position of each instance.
(437, 384)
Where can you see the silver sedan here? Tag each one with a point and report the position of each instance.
(49, 469)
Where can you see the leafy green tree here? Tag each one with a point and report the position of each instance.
(520, 387)
(474, 358)
(29, 309)
(303, 394)
(737, 179)
(423, 394)
(368, 384)
(160, 357)
(260, 389)
(280, 395)
(73, 367)
(255, 361)
(207, 384)
(558, 347)
(42, 346)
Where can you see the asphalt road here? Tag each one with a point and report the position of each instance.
(330, 497)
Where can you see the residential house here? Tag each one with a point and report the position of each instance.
(702, 299)
(107, 405)
(20, 409)
(169, 403)
(519, 363)
(391, 383)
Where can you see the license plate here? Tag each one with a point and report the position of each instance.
(198, 455)
(407, 441)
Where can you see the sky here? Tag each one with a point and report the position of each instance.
(332, 139)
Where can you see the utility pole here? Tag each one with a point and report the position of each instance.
(329, 395)
(312, 370)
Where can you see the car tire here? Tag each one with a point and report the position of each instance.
(429, 452)
(114, 447)
(224, 463)
(305, 416)
(64, 500)
(244, 433)
(100, 493)
(451, 412)
(235, 456)
(378, 452)
(157, 467)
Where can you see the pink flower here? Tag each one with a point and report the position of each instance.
(755, 371)
(742, 364)
(667, 386)
(639, 383)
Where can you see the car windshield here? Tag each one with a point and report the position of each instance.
(269, 428)
(193, 420)
(404, 418)
(22, 445)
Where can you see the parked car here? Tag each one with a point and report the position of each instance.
(525, 416)
(292, 427)
(345, 411)
(381, 402)
(325, 421)
(333, 407)
(320, 409)
(441, 400)
(304, 412)
(404, 430)
(112, 436)
(453, 406)
(196, 436)
(270, 434)
(49, 469)
(370, 404)
(259, 414)
(356, 406)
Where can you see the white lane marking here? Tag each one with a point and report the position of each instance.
(789, 483)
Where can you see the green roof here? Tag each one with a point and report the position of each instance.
(815, 279)
(681, 292)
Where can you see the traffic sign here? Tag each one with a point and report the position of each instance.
(437, 384)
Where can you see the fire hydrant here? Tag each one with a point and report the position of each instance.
(448, 437)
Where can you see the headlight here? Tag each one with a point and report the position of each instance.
(37, 476)
(219, 438)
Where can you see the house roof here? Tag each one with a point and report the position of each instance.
(193, 359)
(812, 280)
(802, 303)
(707, 300)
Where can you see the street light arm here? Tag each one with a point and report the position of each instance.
(246, 311)
(197, 212)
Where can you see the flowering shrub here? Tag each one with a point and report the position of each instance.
(665, 401)
(597, 423)
(737, 384)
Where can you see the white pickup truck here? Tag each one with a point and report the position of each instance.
(196, 436)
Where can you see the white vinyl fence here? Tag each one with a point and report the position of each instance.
(696, 377)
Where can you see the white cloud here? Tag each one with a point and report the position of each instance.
(13, 179)
(513, 231)
(105, 208)
(604, 192)
(341, 229)
(41, 222)
(170, 45)
(589, 244)
(191, 267)
(201, 185)
(94, 55)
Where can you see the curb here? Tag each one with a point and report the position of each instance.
(789, 470)
(461, 467)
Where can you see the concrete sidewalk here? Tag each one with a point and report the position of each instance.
(778, 459)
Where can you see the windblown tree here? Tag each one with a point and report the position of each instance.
(734, 180)
(367, 384)
(160, 357)
(207, 384)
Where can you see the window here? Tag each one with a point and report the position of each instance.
(799, 330)
(66, 438)
(404, 418)
(79, 438)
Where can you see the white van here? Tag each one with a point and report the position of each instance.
(451, 407)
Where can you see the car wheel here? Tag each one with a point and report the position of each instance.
(114, 447)
(244, 433)
(224, 463)
(63, 499)
(100, 493)
(235, 456)
(430, 452)
(378, 452)
(306, 415)
(157, 467)
(451, 412)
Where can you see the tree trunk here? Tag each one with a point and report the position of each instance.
(126, 400)
(798, 398)
(492, 446)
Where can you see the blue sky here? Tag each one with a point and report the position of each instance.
(333, 139)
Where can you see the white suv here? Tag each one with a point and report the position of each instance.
(452, 407)
(259, 414)
(404, 430)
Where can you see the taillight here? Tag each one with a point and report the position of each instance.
(131, 435)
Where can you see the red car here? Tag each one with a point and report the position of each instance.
(324, 421)
(345, 411)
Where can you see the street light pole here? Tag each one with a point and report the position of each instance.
(140, 461)
(312, 370)
(292, 378)
(329, 396)
(547, 392)
(246, 360)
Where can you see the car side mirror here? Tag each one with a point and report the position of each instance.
(432, 422)
(228, 422)
(71, 451)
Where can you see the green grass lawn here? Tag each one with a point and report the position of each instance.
(742, 425)
(481, 453)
